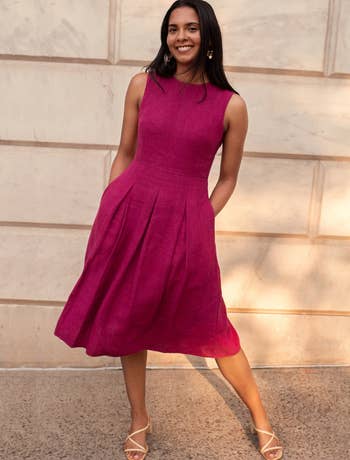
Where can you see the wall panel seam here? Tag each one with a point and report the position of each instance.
(142, 63)
(13, 303)
(113, 147)
(316, 200)
(331, 38)
(112, 12)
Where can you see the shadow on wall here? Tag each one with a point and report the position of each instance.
(275, 278)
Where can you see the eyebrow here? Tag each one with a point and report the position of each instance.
(188, 24)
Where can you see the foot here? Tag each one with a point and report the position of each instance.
(137, 423)
(265, 438)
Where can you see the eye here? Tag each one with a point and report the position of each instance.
(193, 29)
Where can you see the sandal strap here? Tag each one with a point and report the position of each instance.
(140, 430)
(266, 432)
(135, 449)
(272, 448)
(273, 435)
(141, 447)
(137, 444)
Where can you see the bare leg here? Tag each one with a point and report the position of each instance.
(134, 370)
(237, 371)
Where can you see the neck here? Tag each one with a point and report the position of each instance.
(184, 73)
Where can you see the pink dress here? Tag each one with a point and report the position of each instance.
(151, 278)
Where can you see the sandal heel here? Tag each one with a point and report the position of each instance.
(150, 427)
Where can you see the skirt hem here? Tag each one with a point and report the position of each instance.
(155, 348)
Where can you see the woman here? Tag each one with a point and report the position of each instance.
(151, 278)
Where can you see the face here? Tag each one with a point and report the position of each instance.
(184, 38)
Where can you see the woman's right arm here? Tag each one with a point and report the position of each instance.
(128, 138)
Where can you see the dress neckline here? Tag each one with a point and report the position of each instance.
(189, 83)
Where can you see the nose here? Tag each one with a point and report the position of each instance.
(181, 34)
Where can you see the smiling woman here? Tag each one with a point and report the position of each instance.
(184, 38)
(191, 45)
(151, 278)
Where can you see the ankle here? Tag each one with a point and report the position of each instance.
(141, 415)
(258, 413)
(261, 421)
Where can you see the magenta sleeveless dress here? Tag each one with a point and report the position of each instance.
(151, 278)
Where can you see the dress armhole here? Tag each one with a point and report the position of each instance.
(226, 99)
(144, 93)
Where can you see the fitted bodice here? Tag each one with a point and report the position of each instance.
(177, 131)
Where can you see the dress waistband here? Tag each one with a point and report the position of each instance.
(163, 175)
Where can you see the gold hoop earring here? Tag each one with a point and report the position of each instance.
(210, 54)
(167, 58)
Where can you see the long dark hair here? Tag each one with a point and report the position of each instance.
(210, 39)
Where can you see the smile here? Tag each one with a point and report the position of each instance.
(184, 48)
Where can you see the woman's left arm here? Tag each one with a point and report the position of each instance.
(236, 126)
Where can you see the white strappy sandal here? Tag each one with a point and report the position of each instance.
(265, 448)
(139, 448)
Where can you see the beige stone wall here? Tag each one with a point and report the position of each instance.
(283, 239)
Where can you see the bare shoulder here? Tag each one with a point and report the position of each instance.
(137, 86)
(139, 79)
(236, 111)
(237, 102)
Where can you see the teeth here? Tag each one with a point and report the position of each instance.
(183, 48)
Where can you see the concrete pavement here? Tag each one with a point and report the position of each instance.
(84, 414)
